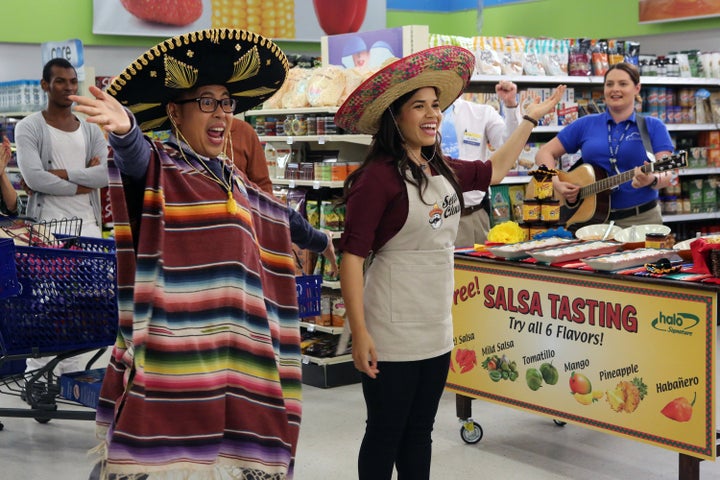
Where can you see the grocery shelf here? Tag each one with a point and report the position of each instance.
(689, 217)
(592, 80)
(698, 171)
(334, 234)
(327, 360)
(307, 183)
(321, 139)
(13, 116)
(515, 180)
(311, 327)
(691, 127)
(289, 111)
(672, 127)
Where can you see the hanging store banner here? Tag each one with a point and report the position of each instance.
(304, 20)
(441, 6)
(632, 359)
(656, 11)
(70, 50)
(502, 3)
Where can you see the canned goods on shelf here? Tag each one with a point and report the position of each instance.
(299, 127)
(260, 125)
(270, 126)
(320, 125)
(339, 172)
(330, 127)
(311, 125)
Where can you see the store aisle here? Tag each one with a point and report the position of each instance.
(516, 445)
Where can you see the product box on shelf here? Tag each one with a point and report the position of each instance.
(82, 387)
(330, 375)
(372, 49)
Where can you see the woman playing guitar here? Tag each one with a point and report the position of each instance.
(612, 144)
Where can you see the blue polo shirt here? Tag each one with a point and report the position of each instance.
(590, 134)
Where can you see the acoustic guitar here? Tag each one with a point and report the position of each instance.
(593, 201)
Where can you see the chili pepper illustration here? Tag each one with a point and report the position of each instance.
(679, 409)
(340, 17)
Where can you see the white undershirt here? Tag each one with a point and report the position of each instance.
(68, 153)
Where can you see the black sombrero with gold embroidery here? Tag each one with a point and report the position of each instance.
(251, 67)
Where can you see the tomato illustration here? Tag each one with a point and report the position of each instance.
(340, 17)
(169, 12)
(466, 359)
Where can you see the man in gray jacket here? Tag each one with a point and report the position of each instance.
(63, 162)
(62, 159)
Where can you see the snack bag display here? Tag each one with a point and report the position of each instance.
(487, 55)
(295, 87)
(325, 86)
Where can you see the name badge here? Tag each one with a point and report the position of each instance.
(474, 139)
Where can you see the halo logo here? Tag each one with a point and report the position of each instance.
(679, 323)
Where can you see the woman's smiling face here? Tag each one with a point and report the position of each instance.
(419, 119)
(620, 90)
(205, 132)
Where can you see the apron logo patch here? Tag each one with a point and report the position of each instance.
(436, 215)
(451, 205)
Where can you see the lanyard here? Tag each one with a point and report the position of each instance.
(613, 153)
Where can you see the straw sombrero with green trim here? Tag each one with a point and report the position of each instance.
(447, 68)
(251, 67)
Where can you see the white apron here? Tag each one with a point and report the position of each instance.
(409, 284)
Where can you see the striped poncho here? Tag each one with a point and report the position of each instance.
(204, 379)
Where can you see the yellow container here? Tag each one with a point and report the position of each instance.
(550, 211)
(531, 210)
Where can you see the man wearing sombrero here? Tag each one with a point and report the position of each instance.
(403, 209)
(204, 379)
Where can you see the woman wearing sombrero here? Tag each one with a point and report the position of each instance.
(204, 379)
(403, 209)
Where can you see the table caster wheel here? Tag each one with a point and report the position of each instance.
(471, 432)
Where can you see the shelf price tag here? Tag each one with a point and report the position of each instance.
(291, 183)
(311, 327)
(290, 140)
(321, 140)
(316, 184)
(305, 359)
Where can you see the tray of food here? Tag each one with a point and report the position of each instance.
(522, 249)
(630, 258)
(685, 244)
(574, 251)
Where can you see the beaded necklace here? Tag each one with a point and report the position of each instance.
(230, 204)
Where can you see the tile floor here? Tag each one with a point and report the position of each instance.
(516, 445)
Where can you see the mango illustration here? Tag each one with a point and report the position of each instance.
(579, 383)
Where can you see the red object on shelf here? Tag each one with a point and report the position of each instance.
(340, 17)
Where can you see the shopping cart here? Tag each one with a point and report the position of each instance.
(61, 302)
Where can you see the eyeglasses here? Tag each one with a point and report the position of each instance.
(209, 104)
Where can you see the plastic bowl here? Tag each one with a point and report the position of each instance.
(596, 232)
(636, 233)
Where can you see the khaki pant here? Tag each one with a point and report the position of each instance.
(651, 217)
(473, 228)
